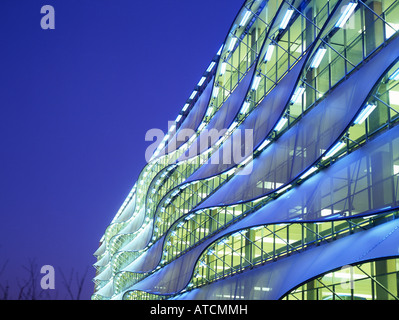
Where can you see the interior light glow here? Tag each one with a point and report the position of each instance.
(219, 141)
(344, 275)
(334, 150)
(237, 234)
(215, 92)
(180, 224)
(201, 82)
(232, 44)
(365, 113)
(395, 75)
(281, 124)
(328, 212)
(209, 112)
(155, 153)
(269, 52)
(178, 118)
(161, 145)
(256, 82)
(318, 57)
(246, 161)
(245, 107)
(193, 94)
(393, 97)
(263, 145)
(202, 126)
(185, 107)
(233, 125)
(391, 29)
(245, 18)
(223, 68)
(297, 94)
(220, 50)
(211, 66)
(192, 138)
(308, 173)
(286, 18)
(346, 14)
(283, 189)
(173, 127)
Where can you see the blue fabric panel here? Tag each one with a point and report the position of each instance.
(192, 121)
(148, 260)
(176, 275)
(273, 280)
(304, 143)
(222, 119)
(140, 241)
(135, 223)
(261, 121)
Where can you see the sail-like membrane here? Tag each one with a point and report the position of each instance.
(321, 198)
(257, 125)
(148, 260)
(192, 121)
(272, 281)
(304, 143)
(219, 124)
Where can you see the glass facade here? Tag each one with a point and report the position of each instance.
(375, 280)
(302, 100)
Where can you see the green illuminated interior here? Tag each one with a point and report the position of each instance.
(372, 24)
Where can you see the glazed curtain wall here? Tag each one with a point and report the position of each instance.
(192, 121)
(148, 260)
(338, 192)
(226, 113)
(317, 194)
(333, 194)
(272, 281)
(370, 280)
(223, 118)
(303, 144)
(198, 115)
(261, 121)
(340, 112)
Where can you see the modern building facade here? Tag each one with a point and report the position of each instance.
(279, 177)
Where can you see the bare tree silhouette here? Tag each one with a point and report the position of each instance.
(28, 286)
(4, 289)
(79, 281)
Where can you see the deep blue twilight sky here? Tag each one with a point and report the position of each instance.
(75, 105)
